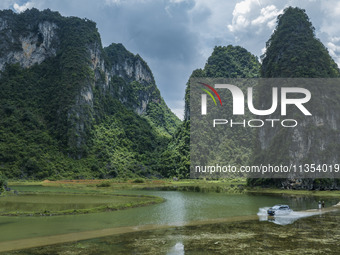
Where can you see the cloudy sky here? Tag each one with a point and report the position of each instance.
(177, 36)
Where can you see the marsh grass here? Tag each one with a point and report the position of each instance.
(45, 200)
(109, 186)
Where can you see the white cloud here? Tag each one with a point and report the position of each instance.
(330, 28)
(330, 23)
(267, 16)
(112, 2)
(249, 14)
(24, 7)
(333, 8)
(241, 14)
(332, 47)
(177, 107)
(209, 20)
(335, 39)
(4, 4)
(334, 50)
(240, 23)
(243, 7)
(177, 1)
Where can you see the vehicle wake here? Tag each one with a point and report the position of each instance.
(292, 216)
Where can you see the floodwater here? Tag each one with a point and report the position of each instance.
(181, 210)
(317, 234)
(286, 218)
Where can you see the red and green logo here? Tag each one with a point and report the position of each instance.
(209, 93)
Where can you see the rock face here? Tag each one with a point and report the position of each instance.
(35, 45)
(294, 52)
(135, 89)
(88, 72)
(131, 68)
(313, 140)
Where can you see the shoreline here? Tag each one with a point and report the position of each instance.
(194, 185)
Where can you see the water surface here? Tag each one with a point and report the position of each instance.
(178, 209)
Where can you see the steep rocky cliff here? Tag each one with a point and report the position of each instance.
(294, 52)
(32, 45)
(71, 84)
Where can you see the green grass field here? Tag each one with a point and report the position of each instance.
(46, 199)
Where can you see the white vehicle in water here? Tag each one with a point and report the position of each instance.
(279, 210)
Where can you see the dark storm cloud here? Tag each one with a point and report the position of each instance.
(177, 36)
(156, 30)
(159, 32)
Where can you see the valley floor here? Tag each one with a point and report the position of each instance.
(243, 234)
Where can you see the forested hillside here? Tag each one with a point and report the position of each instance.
(230, 62)
(72, 109)
(293, 51)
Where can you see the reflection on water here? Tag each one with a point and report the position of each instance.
(177, 249)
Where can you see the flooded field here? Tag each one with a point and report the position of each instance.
(312, 235)
(186, 223)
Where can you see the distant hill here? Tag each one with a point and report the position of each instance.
(230, 62)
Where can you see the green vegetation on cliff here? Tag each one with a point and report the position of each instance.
(293, 51)
(73, 109)
(134, 92)
(230, 62)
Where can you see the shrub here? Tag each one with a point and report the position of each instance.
(3, 183)
(139, 180)
(104, 184)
